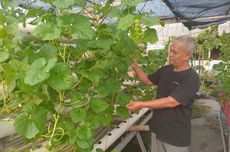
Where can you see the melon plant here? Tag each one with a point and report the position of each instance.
(64, 78)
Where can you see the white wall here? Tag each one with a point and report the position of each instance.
(177, 29)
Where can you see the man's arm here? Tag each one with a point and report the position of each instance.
(141, 75)
(167, 102)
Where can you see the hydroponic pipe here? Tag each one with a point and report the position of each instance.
(116, 133)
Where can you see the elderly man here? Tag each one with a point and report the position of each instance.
(177, 84)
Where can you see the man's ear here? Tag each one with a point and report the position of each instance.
(188, 56)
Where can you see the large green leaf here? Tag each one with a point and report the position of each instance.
(109, 86)
(106, 116)
(62, 4)
(34, 12)
(47, 51)
(99, 150)
(4, 55)
(81, 2)
(94, 119)
(121, 111)
(47, 31)
(39, 71)
(32, 121)
(83, 144)
(125, 45)
(26, 126)
(10, 77)
(78, 98)
(122, 64)
(132, 2)
(70, 20)
(1, 17)
(83, 65)
(38, 114)
(150, 36)
(84, 136)
(150, 21)
(82, 31)
(13, 71)
(114, 12)
(84, 132)
(125, 22)
(51, 64)
(61, 77)
(93, 76)
(123, 99)
(98, 105)
(70, 130)
(78, 115)
(103, 65)
(100, 44)
(12, 3)
(18, 66)
(78, 25)
(48, 1)
(11, 25)
(24, 87)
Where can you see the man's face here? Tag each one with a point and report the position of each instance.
(178, 55)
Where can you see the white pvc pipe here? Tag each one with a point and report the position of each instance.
(124, 141)
(6, 128)
(116, 133)
(27, 28)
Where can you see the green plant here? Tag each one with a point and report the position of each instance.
(223, 67)
(63, 78)
(206, 42)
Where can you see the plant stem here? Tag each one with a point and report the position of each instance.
(56, 117)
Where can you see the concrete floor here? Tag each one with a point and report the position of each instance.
(206, 136)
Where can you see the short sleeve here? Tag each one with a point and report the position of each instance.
(187, 89)
(155, 77)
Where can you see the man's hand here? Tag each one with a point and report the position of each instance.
(140, 74)
(134, 106)
(134, 65)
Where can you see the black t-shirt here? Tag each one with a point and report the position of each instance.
(173, 125)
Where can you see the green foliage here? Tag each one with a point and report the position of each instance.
(63, 4)
(39, 71)
(71, 67)
(47, 31)
(132, 2)
(76, 25)
(207, 41)
(60, 78)
(126, 21)
(223, 67)
(150, 35)
(32, 121)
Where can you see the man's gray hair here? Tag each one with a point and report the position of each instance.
(188, 41)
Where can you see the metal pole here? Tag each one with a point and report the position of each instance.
(141, 143)
(228, 139)
(222, 133)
